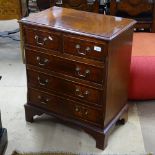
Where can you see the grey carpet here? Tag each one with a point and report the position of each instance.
(146, 112)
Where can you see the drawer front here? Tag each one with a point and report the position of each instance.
(85, 113)
(83, 48)
(45, 101)
(60, 86)
(67, 67)
(66, 107)
(44, 39)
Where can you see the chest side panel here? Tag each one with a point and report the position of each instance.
(118, 74)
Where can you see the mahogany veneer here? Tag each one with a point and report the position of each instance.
(77, 69)
(141, 10)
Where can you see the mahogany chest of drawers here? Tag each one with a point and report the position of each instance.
(78, 69)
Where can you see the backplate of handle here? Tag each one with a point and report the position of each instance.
(43, 100)
(84, 75)
(42, 82)
(81, 94)
(42, 62)
(88, 49)
(40, 41)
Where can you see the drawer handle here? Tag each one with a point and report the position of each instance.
(86, 112)
(40, 41)
(77, 109)
(43, 100)
(42, 62)
(86, 73)
(88, 49)
(81, 94)
(42, 82)
(81, 110)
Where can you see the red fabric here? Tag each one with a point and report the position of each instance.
(142, 82)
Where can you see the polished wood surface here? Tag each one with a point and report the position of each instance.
(80, 22)
(84, 47)
(64, 87)
(141, 10)
(47, 39)
(76, 73)
(66, 66)
(117, 92)
(71, 109)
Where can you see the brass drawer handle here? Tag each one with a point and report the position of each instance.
(42, 82)
(83, 111)
(42, 62)
(88, 49)
(77, 109)
(43, 100)
(86, 112)
(40, 41)
(81, 94)
(86, 73)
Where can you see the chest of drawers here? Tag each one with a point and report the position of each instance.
(78, 70)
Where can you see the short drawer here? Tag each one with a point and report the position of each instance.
(84, 48)
(45, 39)
(66, 66)
(64, 106)
(60, 86)
(45, 101)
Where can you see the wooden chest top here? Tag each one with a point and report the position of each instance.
(80, 22)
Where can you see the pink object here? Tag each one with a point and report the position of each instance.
(142, 82)
(143, 44)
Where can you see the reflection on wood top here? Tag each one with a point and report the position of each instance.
(80, 22)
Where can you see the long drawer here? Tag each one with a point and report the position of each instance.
(60, 86)
(64, 106)
(43, 38)
(65, 66)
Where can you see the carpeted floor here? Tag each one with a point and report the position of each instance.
(45, 134)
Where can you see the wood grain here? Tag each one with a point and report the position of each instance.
(78, 86)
